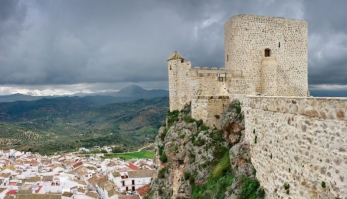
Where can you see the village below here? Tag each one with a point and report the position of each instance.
(84, 174)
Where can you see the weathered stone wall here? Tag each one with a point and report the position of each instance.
(247, 37)
(209, 109)
(299, 141)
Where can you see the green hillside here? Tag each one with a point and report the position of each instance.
(67, 123)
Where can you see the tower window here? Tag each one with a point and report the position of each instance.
(222, 77)
(267, 52)
(170, 68)
(227, 57)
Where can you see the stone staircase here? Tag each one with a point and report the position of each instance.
(290, 81)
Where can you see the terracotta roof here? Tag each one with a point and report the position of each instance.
(116, 174)
(92, 194)
(12, 183)
(101, 180)
(12, 192)
(67, 194)
(81, 171)
(39, 196)
(143, 190)
(111, 164)
(129, 197)
(34, 179)
(133, 167)
(77, 164)
(79, 189)
(47, 178)
(92, 180)
(5, 175)
(113, 192)
(141, 174)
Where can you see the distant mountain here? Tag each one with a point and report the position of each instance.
(129, 93)
(20, 97)
(137, 91)
(132, 90)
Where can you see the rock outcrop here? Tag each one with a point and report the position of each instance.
(189, 154)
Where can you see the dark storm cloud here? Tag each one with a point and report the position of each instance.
(47, 42)
(328, 41)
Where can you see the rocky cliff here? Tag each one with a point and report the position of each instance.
(195, 161)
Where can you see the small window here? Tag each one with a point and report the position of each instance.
(222, 77)
(170, 68)
(227, 57)
(267, 52)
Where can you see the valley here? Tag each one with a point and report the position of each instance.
(62, 124)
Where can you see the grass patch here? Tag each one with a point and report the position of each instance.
(222, 167)
(128, 156)
(214, 188)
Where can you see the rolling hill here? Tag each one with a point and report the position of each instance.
(66, 123)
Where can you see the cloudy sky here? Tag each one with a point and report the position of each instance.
(52, 47)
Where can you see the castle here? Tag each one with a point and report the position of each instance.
(301, 140)
(263, 56)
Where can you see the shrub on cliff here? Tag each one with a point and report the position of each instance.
(250, 189)
(162, 172)
(172, 117)
(163, 158)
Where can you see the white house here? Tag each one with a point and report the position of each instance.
(132, 180)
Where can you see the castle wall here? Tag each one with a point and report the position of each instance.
(209, 109)
(299, 141)
(207, 82)
(247, 37)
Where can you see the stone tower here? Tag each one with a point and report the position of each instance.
(179, 81)
(249, 39)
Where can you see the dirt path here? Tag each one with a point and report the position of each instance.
(140, 149)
